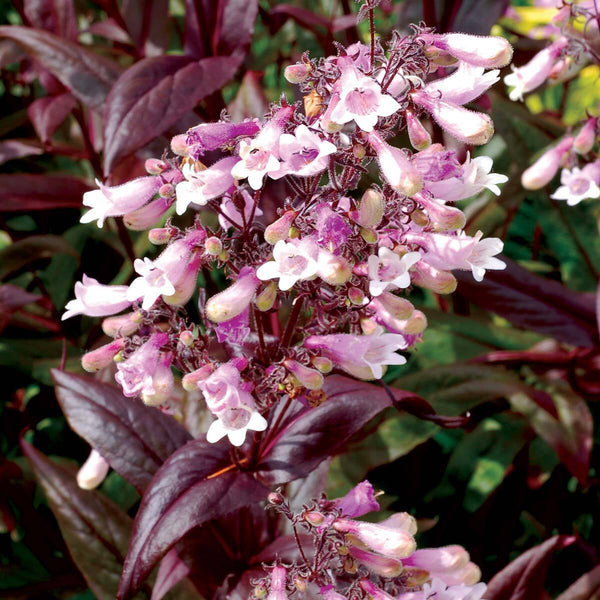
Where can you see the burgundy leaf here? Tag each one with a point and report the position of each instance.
(302, 16)
(55, 16)
(110, 30)
(132, 437)
(10, 53)
(587, 587)
(419, 407)
(96, 530)
(156, 92)
(199, 14)
(12, 298)
(195, 485)
(147, 23)
(171, 571)
(48, 113)
(87, 75)
(11, 149)
(523, 578)
(21, 192)
(236, 25)
(533, 302)
(314, 434)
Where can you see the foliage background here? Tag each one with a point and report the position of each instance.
(521, 471)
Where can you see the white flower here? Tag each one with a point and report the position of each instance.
(577, 185)
(256, 161)
(96, 300)
(388, 270)
(293, 261)
(234, 423)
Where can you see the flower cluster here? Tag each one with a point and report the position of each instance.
(318, 258)
(340, 557)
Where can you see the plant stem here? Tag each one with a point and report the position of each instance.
(291, 324)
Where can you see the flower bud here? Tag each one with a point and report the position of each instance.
(585, 139)
(278, 581)
(186, 285)
(160, 235)
(482, 51)
(279, 229)
(371, 209)
(309, 378)
(162, 382)
(442, 216)
(417, 134)
(335, 270)
(542, 171)
(190, 380)
(297, 73)
(369, 235)
(381, 565)
(322, 363)
(313, 104)
(356, 296)
(123, 325)
(167, 190)
(313, 517)
(359, 151)
(368, 326)
(300, 583)
(235, 299)
(350, 566)
(179, 145)
(440, 282)
(93, 471)
(260, 591)
(146, 216)
(155, 166)
(275, 498)
(186, 338)
(213, 246)
(266, 299)
(102, 357)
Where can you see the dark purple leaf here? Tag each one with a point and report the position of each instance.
(20, 192)
(157, 92)
(306, 18)
(235, 28)
(314, 434)
(171, 571)
(524, 577)
(587, 587)
(10, 53)
(48, 113)
(31, 248)
(533, 302)
(11, 149)
(55, 16)
(110, 30)
(132, 437)
(199, 14)
(87, 75)
(12, 298)
(419, 407)
(195, 485)
(147, 23)
(96, 530)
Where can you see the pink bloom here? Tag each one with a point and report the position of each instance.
(388, 270)
(278, 580)
(481, 51)
(438, 590)
(102, 357)
(234, 300)
(332, 229)
(293, 261)
(442, 217)
(362, 356)
(210, 136)
(202, 185)
(384, 566)
(536, 71)
(586, 138)
(579, 184)
(374, 592)
(436, 163)
(236, 330)
(359, 501)
(93, 471)
(135, 375)
(360, 55)
(303, 154)
(232, 214)
(361, 100)
(223, 389)
(96, 300)
(417, 134)
(439, 561)
(309, 378)
(162, 381)
(546, 166)
(464, 85)
(143, 218)
(118, 200)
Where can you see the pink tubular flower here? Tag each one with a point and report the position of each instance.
(536, 71)
(438, 590)
(231, 214)
(232, 301)
(464, 85)
(417, 134)
(118, 200)
(579, 184)
(162, 381)
(236, 330)
(359, 501)
(202, 185)
(546, 166)
(388, 270)
(143, 218)
(586, 137)
(135, 375)
(481, 51)
(210, 136)
(293, 261)
(362, 356)
(278, 580)
(96, 300)
(380, 565)
(304, 153)
(374, 592)
(93, 471)
(102, 357)
(396, 167)
(440, 561)
(309, 378)
(442, 217)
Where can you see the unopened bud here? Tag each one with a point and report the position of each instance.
(122, 325)
(442, 216)
(235, 299)
(162, 382)
(102, 357)
(300, 583)
(369, 235)
(335, 270)
(186, 338)
(356, 296)
(417, 134)
(371, 209)
(154, 166)
(350, 566)
(322, 363)
(313, 104)
(260, 591)
(190, 380)
(314, 518)
(419, 217)
(343, 551)
(186, 285)
(213, 246)
(266, 299)
(93, 471)
(167, 190)
(297, 73)
(275, 498)
(440, 282)
(368, 326)
(279, 229)
(159, 235)
(542, 171)
(584, 141)
(179, 145)
(359, 151)
(309, 378)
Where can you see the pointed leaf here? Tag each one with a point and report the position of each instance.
(236, 26)
(171, 571)
(157, 92)
(12, 149)
(587, 587)
(317, 433)
(56, 16)
(195, 485)
(523, 578)
(132, 437)
(48, 113)
(95, 529)
(87, 75)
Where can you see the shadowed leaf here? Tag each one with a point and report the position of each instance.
(48, 113)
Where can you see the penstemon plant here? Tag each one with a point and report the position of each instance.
(316, 287)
